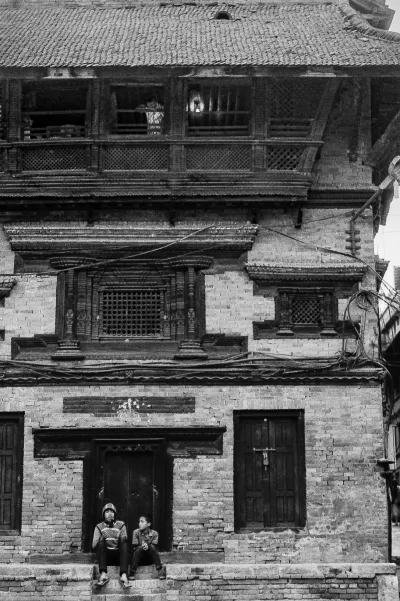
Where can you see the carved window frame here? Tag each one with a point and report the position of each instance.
(328, 311)
(89, 285)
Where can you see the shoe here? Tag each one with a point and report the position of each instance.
(161, 573)
(132, 575)
(102, 581)
(125, 583)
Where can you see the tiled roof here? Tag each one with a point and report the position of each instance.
(281, 34)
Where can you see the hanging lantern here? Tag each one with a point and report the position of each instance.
(196, 102)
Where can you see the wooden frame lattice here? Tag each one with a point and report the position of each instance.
(132, 313)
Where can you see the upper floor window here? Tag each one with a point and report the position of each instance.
(136, 110)
(218, 110)
(54, 109)
(292, 106)
(132, 313)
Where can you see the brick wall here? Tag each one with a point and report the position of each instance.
(346, 505)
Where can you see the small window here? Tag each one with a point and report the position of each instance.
(131, 313)
(218, 110)
(306, 311)
(136, 110)
(11, 454)
(54, 109)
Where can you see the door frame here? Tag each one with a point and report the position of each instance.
(298, 414)
(155, 445)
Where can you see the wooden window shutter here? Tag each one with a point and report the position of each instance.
(11, 436)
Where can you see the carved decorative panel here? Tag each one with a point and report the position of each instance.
(53, 158)
(283, 158)
(218, 158)
(129, 158)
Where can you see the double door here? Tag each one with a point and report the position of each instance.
(269, 470)
(131, 475)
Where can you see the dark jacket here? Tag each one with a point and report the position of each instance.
(147, 536)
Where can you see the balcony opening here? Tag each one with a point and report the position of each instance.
(54, 110)
(136, 110)
(218, 110)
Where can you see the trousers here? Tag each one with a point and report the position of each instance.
(103, 554)
(140, 554)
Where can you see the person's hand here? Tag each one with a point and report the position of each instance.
(145, 546)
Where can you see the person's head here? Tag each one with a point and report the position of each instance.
(109, 512)
(144, 522)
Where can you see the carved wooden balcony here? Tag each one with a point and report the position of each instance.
(66, 155)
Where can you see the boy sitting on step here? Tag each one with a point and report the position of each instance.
(144, 544)
(109, 538)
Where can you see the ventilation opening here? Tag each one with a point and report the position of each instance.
(223, 16)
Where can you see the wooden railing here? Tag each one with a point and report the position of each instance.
(156, 155)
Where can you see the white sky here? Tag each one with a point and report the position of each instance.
(387, 242)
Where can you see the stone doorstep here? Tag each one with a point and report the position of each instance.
(167, 557)
(143, 573)
(129, 596)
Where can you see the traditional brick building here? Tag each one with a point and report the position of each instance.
(184, 284)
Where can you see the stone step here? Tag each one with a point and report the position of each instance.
(129, 596)
(138, 586)
(142, 573)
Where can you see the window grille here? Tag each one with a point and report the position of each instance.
(124, 158)
(136, 110)
(54, 110)
(218, 158)
(283, 159)
(218, 110)
(57, 158)
(306, 310)
(132, 313)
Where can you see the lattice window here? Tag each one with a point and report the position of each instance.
(136, 110)
(57, 158)
(306, 310)
(218, 110)
(54, 109)
(218, 158)
(292, 106)
(125, 158)
(132, 313)
(283, 158)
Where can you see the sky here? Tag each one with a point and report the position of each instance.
(387, 242)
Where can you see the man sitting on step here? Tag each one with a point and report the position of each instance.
(110, 537)
(144, 543)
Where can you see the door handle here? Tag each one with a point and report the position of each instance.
(261, 450)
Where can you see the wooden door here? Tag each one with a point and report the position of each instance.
(269, 473)
(131, 475)
(10, 473)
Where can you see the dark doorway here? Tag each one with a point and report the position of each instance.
(269, 469)
(131, 474)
